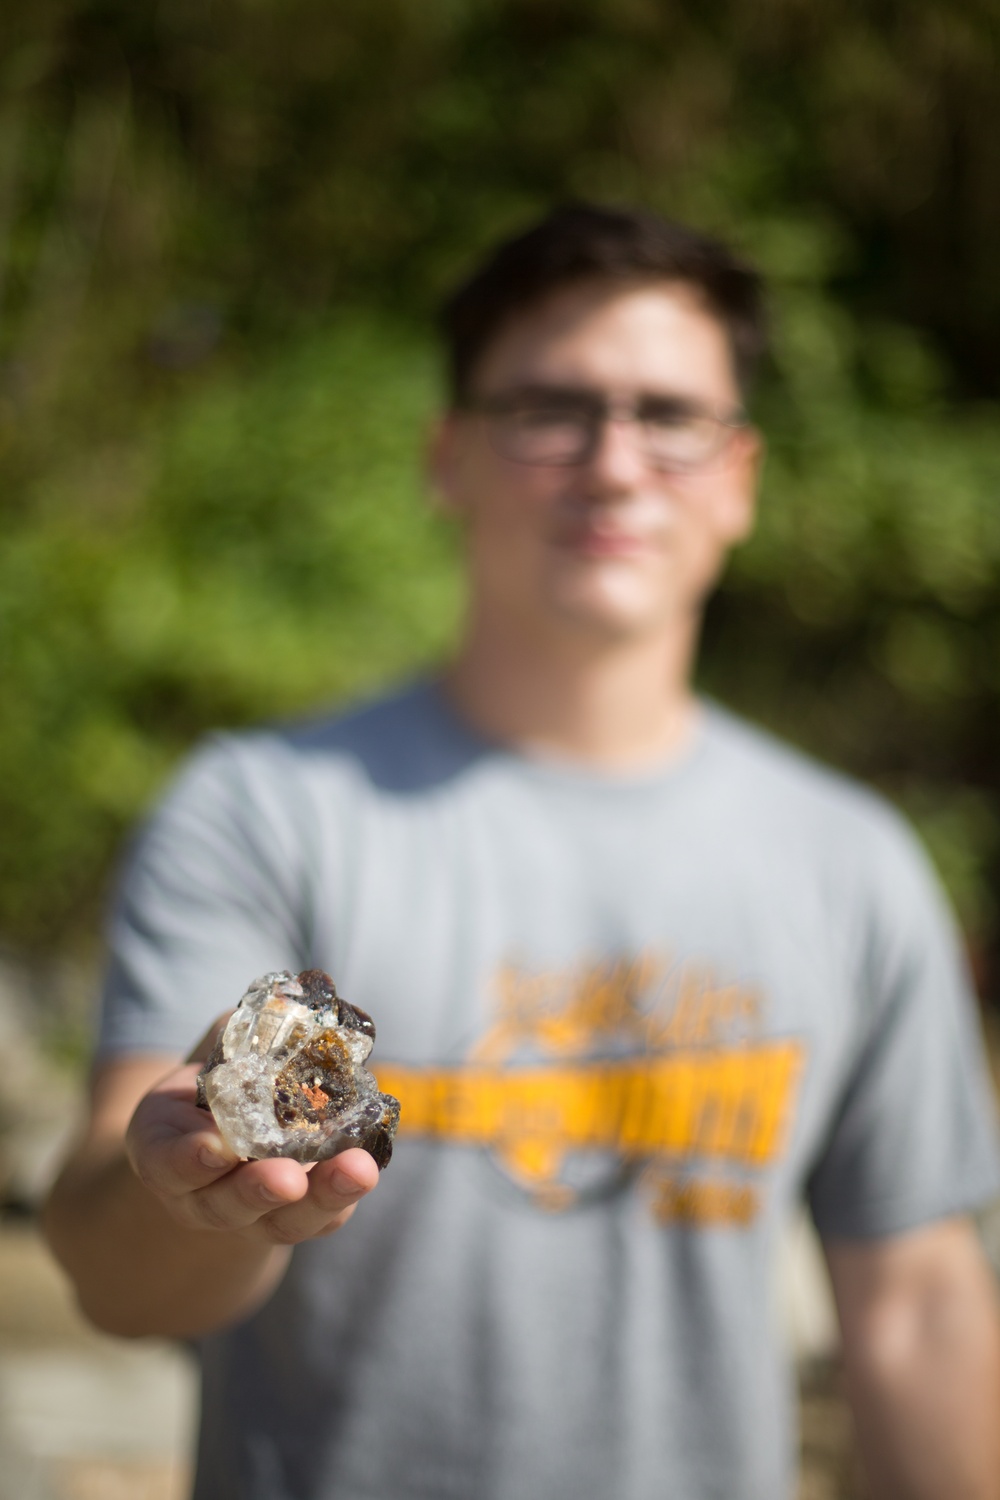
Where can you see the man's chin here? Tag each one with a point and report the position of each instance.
(612, 614)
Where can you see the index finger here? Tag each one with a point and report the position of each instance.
(175, 1147)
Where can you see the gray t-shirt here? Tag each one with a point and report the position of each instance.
(630, 1019)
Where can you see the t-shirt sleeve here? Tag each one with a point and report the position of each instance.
(914, 1134)
(210, 897)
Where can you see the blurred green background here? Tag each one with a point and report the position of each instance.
(224, 225)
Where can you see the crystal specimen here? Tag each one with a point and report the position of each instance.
(287, 1075)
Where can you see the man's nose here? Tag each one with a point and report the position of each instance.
(618, 461)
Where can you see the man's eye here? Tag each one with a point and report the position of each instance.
(668, 417)
(551, 416)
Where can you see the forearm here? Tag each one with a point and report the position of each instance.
(923, 1374)
(136, 1269)
(162, 1229)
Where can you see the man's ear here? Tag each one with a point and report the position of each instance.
(441, 464)
(741, 505)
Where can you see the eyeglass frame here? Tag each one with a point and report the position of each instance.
(602, 410)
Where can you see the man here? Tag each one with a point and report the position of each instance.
(641, 977)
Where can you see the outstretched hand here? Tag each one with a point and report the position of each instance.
(176, 1151)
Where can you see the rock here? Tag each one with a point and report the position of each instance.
(287, 1076)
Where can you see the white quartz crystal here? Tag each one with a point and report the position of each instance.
(287, 1076)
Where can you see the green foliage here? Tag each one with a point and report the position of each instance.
(209, 503)
(863, 618)
(263, 547)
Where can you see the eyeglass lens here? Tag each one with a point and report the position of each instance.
(565, 430)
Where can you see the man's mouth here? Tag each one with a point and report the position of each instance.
(604, 542)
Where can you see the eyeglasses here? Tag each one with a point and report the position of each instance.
(555, 426)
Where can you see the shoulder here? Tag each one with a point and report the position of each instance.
(780, 772)
(256, 805)
(399, 742)
(799, 800)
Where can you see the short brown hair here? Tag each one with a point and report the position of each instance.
(578, 241)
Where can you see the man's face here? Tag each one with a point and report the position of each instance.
(616, 539)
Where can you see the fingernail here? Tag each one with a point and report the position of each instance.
(267, 1196)
(212, 1159)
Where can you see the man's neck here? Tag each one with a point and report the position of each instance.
(615, 705)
